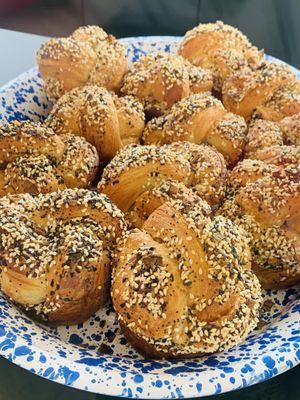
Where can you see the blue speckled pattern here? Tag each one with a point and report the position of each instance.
(94, 356)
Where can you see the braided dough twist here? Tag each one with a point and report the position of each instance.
(136, 170)
(161, 80)
(56, 252)
(88, 57)
(106, 121)
(182, 285)
(222, 49)
(200, 118)
(265, 201)
(33, 159)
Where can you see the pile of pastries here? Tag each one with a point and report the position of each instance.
(171, 186)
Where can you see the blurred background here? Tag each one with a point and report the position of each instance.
(270, 24)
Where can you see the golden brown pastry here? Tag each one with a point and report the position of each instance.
(183, 285)
(33, 159)
(56, 252)
(200, 79)
(138, 169)
(265, 202)
(161, 80)
(222, 49)
(281, 156)
(284, 102)
(154, 197)
(200, 118)
(290, 127)
(263, 134)
(244, 92)
(106, 121)
(88, 57)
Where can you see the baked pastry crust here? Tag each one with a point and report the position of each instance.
(182, 285)
(263, 134)
(139, 169)
(200, 118)
(283, 103)
(103, 119)
(290, 127)
(265, 201)
(56, 252)
(87, 57)
(36, 160)
(222, 49)
(244, 92)
(151, 199)
(161, 80)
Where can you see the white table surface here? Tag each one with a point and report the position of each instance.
(17, 53)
